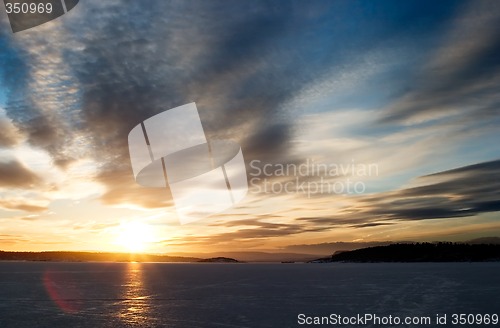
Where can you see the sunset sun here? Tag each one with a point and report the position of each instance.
(135, 236)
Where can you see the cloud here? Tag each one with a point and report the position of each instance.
(463, 192)
(460, 81)
(9, 135)
(19, 188)
(123, 190)
(12, 239)
(94, 82)
(249, 232)
(16, 205)
(14, 174)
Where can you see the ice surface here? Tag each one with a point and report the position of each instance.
(235, 295)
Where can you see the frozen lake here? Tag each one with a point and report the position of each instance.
(45, 294)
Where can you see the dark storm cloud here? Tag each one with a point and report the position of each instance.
(15, 175)
(27, 104)
(463, 76)
(358, 218)
(244, 235)
(486, 168)
(133, 70)
(474, 189)
(250, 231)
(175, 53)
(240, 71)
(9, 135)
(274, 228)
(462, 192)
(368, 225)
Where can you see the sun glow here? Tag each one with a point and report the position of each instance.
(135, 236)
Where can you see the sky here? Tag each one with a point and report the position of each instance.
(395, 104)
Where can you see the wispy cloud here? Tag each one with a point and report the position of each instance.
(22, 205)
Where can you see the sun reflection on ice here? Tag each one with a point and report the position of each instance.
(136, 305)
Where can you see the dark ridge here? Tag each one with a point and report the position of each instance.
(220, 260)
(90, 257)
(419, 252)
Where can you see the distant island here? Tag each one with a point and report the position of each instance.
(219, 260)
(104, 257)
(419, 252)
(90, 257)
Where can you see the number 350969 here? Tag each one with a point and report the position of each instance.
(28, 8)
